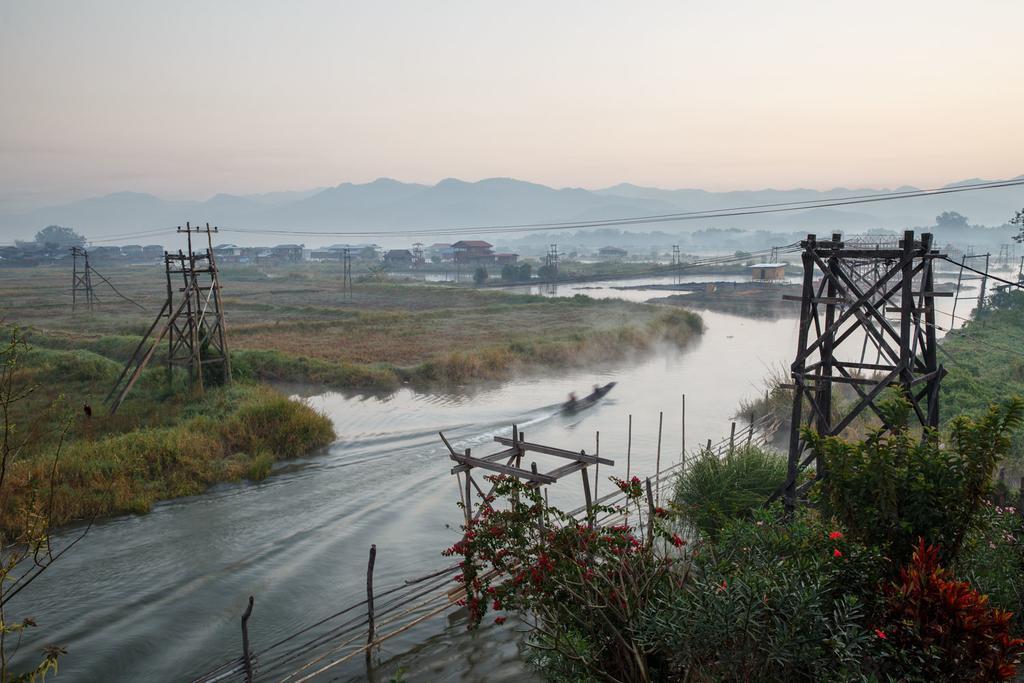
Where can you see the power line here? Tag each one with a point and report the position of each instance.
(979, 272)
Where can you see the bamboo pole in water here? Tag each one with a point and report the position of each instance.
(597, 465)
(629, 445)
(657, 461)
(371, 633)
(682, 432)
(246, 657)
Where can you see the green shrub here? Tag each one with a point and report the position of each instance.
(771, 600)
(713, 490)
(894, 487)
(992, 558)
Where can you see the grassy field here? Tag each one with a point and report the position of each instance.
(295, 324)
(162, 444)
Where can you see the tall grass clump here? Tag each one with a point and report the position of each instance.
(713, 489)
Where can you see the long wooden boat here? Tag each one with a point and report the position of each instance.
(574, 406)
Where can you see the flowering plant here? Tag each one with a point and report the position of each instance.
(592, 575)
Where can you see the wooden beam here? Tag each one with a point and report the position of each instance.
(493, 457)
(558, 452)
(517, 472)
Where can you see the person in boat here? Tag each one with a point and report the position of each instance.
(571, 403)
(596, 392)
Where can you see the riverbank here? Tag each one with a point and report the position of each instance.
(162, 444)
(986, 366)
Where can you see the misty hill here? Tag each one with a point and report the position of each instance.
(387, 204)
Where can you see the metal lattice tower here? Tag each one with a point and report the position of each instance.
(81, 279)
(847, 310)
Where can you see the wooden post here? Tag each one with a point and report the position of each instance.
(515, 444)
(469, 495)
(540, 521)
(586, 495)
(629, 445)
(708, 447)
(246, 657)
(371, 633)
(682, 432)
(750, 434)
(657, 461)
(597, 465)
(732, 438)
(650, 514)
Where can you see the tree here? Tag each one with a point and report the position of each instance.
(57, 236)
(480, 275)
(1018, 220)
(951, 220)
(525, 272)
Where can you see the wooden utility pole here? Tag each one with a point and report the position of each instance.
(194, 327)
(81, 279)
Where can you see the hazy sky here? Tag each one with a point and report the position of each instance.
(186, 99)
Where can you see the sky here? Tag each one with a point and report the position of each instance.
(187, 99)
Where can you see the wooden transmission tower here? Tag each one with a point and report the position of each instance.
(81, 279)
(192, 320)
(855, 341)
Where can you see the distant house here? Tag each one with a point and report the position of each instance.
(132, 250)
(332, 253)
(612, 253)
(227, 253)
(152, 251)
(768, 272)
(505, 259)
(287, 252)
(105, 253)
(469, 251)
(398, 258)
(440, 252)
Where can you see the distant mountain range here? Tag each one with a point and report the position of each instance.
(391, 205)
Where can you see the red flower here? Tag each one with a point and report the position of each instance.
(880, 633)
(835, 535)
(497, 604)
(723, 585)
(499, 620)
(676, 541)
(836, 553)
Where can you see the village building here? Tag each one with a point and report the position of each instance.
(612, 253)
(768, 272)
(287, 252)
(505, 259)
(401, 258)
(471, 251)
(153, 251)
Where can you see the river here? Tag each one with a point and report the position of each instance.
(157, 597)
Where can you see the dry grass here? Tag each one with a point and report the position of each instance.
(296, 324)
